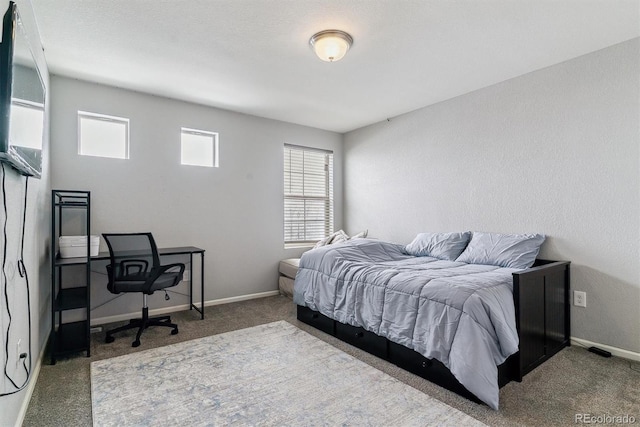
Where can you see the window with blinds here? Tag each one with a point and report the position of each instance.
(308, 194)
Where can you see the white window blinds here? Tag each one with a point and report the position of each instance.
(308, 194)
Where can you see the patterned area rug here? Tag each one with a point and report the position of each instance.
(274, 374)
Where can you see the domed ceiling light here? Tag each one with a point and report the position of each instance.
(331, 45)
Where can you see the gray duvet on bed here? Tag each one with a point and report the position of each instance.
(460, 314)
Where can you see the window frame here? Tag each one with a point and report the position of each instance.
(328, 198)
(215, 140)
(105, 118)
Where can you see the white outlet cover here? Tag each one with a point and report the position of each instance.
(579, 298)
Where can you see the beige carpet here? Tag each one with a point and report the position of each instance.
(571, 382)
(273, 374)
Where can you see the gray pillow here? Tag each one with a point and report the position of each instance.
(438, 245)
(503, 250)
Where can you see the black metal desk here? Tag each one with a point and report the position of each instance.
(182, 250)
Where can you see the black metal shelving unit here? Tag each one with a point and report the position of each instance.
(69, 337)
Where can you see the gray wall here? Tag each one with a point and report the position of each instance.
(235, 211)
(35, 258)
(555, 151)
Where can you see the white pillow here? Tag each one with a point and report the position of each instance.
(360, 235)
(337, 237)
(503, 250)
(445, 246)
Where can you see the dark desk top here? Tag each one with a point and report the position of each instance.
(181, 250)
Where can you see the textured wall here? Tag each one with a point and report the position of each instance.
(555, 151)
(234, 212)
(35, 257)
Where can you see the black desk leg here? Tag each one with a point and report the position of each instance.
(191, 281)
(191, 304)
(202, 285)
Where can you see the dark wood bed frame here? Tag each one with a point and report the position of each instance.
(541, 297)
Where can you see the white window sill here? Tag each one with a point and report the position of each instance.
(299, 245)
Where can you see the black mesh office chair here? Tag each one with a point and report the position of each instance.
(135, 267)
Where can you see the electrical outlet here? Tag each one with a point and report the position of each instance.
(579, 298)
(186, 276)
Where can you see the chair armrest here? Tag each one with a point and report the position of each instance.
(129, 267)
(163, 269)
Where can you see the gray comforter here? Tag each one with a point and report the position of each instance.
(460, 314)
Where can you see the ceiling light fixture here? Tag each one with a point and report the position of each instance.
(331, 45)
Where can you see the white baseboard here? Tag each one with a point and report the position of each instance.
(182, 307)
(33, 379)
(241, 298)
(615, 351)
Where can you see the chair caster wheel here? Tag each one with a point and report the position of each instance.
(174, 332)
(109, 339)
(136, 343)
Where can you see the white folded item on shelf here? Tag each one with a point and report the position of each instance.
(76, 246)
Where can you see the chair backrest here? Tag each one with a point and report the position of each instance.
(132, 254)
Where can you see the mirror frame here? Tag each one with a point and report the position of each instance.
(27, 161)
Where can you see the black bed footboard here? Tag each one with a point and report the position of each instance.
(541, 297)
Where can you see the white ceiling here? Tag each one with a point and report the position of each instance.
(252, 56)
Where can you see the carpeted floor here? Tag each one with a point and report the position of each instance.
(572, 382)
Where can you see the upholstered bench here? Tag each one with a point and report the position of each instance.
(288, 269)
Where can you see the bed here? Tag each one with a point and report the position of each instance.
(439, 309)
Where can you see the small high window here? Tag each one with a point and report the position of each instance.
(198, 148)
(103, 136)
